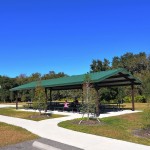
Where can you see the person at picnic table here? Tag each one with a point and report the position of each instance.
(66, 105)
(76, 102)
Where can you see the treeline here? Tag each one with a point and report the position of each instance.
(137, 64)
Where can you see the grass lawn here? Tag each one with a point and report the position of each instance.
(119, 127)
(26, 115)
(10, 134)
(138, 106)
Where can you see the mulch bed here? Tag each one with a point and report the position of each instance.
(90, 122)
(45, 115)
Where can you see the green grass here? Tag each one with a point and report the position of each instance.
(10, 134)
(26, 115)
(120, 127)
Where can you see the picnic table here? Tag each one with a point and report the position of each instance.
(113, 106)
(29, 104)
(60, 106)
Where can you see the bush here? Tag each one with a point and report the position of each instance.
(137, 99)
(23, 98)
(127, 99)
(140, 99)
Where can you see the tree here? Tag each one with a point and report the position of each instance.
(21, 79)
(40, 101)
(89, 99)
(52, 75)
(116, 63)
(6, 83)
(144, 76)
(106, 64)
(98, 65)
(134, 63)
(108, 94)
(137, 64)
(34, 77)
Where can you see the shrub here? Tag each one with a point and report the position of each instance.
(140, 99)
(127, 99)
(23, 98)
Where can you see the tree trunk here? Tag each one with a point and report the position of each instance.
(97, 101)
(132, 95)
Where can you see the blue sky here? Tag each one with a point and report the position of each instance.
(66, 35)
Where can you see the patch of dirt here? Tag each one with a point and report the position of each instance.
(89, 122)
(144, 133)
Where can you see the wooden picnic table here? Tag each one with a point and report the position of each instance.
(114, 106)
(60, 106)
(30, 104)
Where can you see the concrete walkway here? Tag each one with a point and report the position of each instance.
(49, 129)
(4, 105)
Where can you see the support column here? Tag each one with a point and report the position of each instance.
(16, 99)
(132, 95)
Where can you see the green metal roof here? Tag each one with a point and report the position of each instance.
(115, 77)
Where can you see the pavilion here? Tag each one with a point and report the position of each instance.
(116, 77)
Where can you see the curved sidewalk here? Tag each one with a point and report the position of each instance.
(49, 129)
